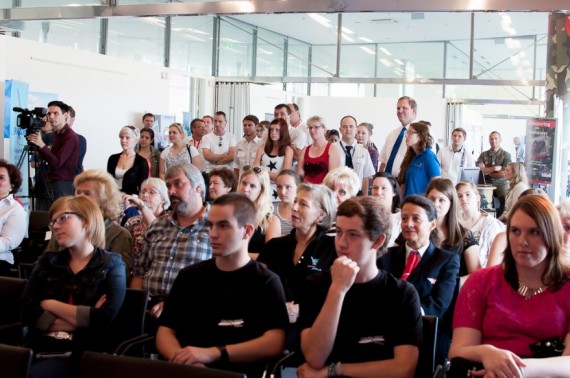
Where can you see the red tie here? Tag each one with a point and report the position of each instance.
(413, 260)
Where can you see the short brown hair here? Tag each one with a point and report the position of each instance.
(13, 174)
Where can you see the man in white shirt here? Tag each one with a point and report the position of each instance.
(394, 149)
(247, 146)
(455, 156)
(355, 155)
(198, 129)
(297, 122)
(219, 146)
(298, 137)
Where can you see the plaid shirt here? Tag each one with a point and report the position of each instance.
(167, 248)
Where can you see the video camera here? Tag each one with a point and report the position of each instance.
(31, 120)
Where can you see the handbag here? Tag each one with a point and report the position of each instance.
(552, 347)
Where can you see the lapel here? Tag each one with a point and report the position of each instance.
(425, 264)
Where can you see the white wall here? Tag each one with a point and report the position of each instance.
(379, 111)
(106, 92)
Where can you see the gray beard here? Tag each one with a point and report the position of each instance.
(183, 209)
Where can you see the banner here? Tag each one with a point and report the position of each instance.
(540, 149)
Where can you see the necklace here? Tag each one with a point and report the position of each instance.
(528, 292)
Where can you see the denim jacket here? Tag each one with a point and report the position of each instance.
(52, 278)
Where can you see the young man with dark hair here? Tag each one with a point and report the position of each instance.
(247, 146)
(148, 120)
(455, 156)
(357, 320)
(218, 147)
(63, 156)
(82, 142)
(209, 123)
(228, 312)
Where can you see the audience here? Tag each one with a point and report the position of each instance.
(345, 333)
(483, 225)
(254, 184)
(72, 295)
(321, 156)
(128, 168)
(529, 289)
(147, 150)
(287, 182)
(13, 217)
(354, 155)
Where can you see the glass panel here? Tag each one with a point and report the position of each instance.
(5, 4)
(504, 45)
(75, 34)
(191, 48)
(58, 3)
(297, 59)
(492, 92)
(235, 48)
(357, 60)
(137, 39)
(270, 50)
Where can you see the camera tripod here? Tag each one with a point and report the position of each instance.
(41, 169)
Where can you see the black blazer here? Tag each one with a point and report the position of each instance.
(434, 278)
(133, 177)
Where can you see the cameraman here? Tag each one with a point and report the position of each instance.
(64, 154)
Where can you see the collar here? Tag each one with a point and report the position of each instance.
(63, 130)
(62, 258)
(9, 200)
(420, 250)
(173, 219)
(344, 144)
(254, 140)
(460, 150)
(299, 122)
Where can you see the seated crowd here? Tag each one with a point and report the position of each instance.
(285, 240)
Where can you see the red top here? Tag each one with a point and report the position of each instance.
(316, 168)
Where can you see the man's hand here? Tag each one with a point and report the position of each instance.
(481, 165)
(343, 273)
(36, 139)
(156, 310)
(196, 356)
(305, 371)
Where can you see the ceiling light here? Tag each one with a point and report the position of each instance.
(385, 51)
(265, 51)
(386, 62)
(321, 20)
(364, 39)
(368, 50)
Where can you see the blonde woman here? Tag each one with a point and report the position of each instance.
(179, 151)
(319, 158)
(254, 184)
(518, 183)
(128, 168)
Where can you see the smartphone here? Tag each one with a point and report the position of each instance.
(45, 355)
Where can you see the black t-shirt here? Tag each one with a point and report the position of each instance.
(278, 256)
(376, 316)
(208, 307)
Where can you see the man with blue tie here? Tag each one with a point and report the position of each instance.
(394, 148)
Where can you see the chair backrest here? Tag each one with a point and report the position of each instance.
(129, 322)
(426, 361)
(14, 361)
(11, 290)
(97, 365)
(39, 221)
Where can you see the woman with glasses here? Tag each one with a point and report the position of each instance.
(254, 184)
(420, 163)
(146, 149)
(316, 160)
(72, 295)
(102, 189)
(152, 202)
(179, 151)
(13, 217)
(276, 153)
(484, 226)
(513, 319)
(128, 168)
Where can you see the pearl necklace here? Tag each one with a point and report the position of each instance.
(528, 292)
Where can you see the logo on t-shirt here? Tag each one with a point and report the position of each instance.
(372, 340)
(237, 323)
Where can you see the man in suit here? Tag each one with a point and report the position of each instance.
(431, 270)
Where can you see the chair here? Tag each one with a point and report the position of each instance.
(34, 245)
(129, 322)
(97, 365)
(15, 361)
(11, 290)
(426, 360)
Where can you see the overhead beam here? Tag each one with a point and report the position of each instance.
(280, 6)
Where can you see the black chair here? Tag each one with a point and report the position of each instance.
(129, 322)
(34, 245)
(97, 365)
(426, 361)
(11, 290)
(14, 361)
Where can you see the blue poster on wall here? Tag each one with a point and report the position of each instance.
(16, 95)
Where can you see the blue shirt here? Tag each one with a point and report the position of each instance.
(423, 167)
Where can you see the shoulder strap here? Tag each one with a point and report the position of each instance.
(189, 153)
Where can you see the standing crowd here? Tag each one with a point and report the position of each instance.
(300, 237)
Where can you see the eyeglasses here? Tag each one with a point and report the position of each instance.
(411, 132)
(61, 219)
(220, 143)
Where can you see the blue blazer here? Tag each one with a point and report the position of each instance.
(434, 278)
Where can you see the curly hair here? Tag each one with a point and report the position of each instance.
(107, 191)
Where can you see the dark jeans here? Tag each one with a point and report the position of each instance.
(62, 188)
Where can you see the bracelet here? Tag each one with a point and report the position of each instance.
(143, 206)
(224, 356)
(332, 368)
(335, 370)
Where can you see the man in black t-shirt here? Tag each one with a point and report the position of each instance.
(228, 312)
(357, 320)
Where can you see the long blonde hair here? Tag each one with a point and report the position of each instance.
(263, 203)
